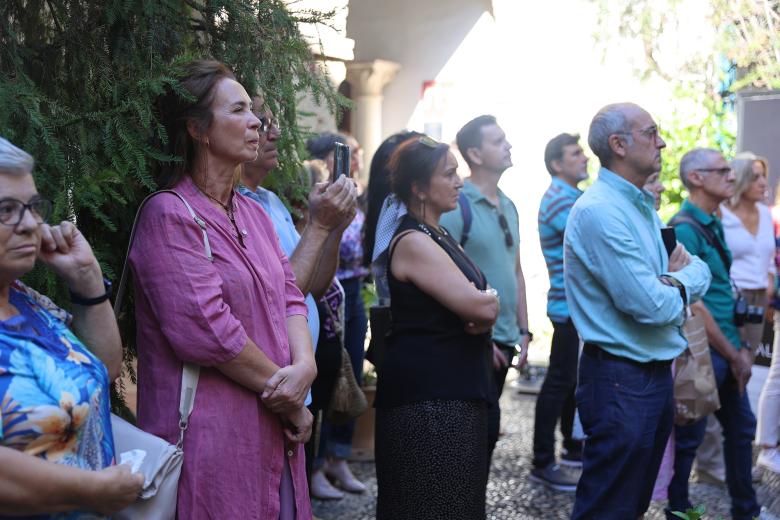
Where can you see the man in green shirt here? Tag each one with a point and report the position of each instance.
(710, 181)
(492, 242)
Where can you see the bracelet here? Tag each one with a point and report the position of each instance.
(87, 302)
(526, 332)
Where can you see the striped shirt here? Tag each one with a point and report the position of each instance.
(553, 213)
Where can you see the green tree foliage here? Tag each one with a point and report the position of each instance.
(700, 70)
(77, 84)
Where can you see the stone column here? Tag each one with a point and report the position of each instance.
(368, 79)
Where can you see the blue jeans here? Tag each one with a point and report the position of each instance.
(338, 438)
(739, 428)
(626, 410)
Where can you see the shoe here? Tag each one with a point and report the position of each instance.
(769, 459)
(766, 515)
(705, 477)
(339, 472)
(555, 477)
(321, 488)
(572, 459)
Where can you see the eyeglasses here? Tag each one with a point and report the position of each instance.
(650, 132)
(266, 123)
(505, 228)
(720, 171)
(12, 210)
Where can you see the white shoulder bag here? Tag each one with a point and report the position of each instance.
(161, 466)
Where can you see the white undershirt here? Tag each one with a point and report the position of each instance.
(754, 255)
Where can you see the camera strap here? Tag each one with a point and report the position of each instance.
(683, 217)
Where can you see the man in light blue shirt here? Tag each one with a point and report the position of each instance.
(313, 255)
(628, 301)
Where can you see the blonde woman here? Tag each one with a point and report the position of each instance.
(749, 232)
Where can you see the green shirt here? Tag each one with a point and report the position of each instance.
(486, 246)
(719, 299)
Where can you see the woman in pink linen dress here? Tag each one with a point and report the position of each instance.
(241, 318)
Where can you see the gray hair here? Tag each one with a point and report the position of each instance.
(694, 160)
(742, 165)
(14, 160)
(608, 121)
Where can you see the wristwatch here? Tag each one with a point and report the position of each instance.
(526, 332)
(83, 300)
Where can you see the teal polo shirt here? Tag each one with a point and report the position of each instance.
(719, 299)
(486, 246)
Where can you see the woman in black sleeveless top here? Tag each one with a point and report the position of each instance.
(435, 384)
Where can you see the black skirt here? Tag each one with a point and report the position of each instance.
(431, 460)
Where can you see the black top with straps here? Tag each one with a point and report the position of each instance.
(429, 355)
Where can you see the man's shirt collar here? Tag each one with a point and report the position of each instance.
(698, 214)
(639, 197)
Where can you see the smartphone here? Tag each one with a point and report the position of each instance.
(341, 161)
(670, 239)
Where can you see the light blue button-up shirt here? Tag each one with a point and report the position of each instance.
(613, 256)
(288, 240)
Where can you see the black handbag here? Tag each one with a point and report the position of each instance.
(380, 320)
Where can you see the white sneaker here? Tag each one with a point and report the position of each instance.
(770, 459)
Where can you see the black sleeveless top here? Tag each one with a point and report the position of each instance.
(428, 354)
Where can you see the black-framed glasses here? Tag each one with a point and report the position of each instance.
(505, 228)
(720, 171)
(12, 210)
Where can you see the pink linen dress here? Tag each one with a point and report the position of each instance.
(190, 309)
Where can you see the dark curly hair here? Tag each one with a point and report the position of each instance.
(414, 162)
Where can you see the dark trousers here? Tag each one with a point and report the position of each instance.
(494, 411)
(556, 398)
(739, 428)
(328, 359)
(626, 411)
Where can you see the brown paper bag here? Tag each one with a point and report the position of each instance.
(695, 389)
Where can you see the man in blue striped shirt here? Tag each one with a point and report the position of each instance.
(567, 164)
(627, 298)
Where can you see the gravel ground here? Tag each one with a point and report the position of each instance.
(511, 495)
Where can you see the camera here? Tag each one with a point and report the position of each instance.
(744, 313)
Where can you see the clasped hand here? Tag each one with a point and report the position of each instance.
(286, 390)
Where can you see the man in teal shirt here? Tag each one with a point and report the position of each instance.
(627, 299)
(492, 242)
(710, 181)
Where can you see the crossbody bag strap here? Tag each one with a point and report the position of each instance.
(190, 372)
(709, 236)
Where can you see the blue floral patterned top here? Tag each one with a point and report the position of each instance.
(54, 399)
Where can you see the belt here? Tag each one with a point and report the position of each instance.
(594, 351)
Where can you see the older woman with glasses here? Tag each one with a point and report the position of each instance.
(435, 384)
(56, 445)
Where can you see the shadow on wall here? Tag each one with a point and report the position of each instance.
(420, 35)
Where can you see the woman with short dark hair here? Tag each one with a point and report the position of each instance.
(435, 384)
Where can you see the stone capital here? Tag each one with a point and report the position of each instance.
(368, 78)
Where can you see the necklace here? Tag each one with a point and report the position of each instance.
(229, 209)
